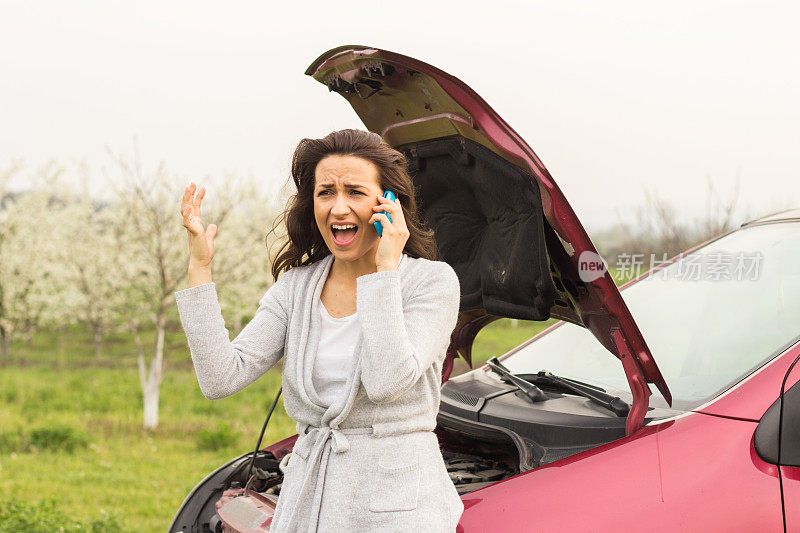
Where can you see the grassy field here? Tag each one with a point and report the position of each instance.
(72, 447)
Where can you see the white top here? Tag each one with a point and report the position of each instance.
(337, 343)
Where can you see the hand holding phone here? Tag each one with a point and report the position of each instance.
(378, 226)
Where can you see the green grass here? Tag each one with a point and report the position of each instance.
(71, 437)
(72, 347)
(20, 514)
(499, 337)
(142, 476)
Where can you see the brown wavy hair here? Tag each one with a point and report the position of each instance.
(304, 244)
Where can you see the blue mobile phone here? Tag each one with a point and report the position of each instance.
(378, 226)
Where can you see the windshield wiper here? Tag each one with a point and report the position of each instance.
(613, 403)
(531, 391)
(541, 375)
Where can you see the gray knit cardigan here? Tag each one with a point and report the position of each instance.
(369, 462)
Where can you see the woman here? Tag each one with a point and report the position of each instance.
(362, 322)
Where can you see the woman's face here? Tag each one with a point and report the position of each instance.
(345, 190)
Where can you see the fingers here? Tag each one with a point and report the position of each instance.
(394, 208)
(211, 232)
(186, 201)
(395, 230)
(188, 197)
(382, 218)
(388, 205)
(198, 199)
(191, 220)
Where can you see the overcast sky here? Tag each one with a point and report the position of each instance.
(615, 97)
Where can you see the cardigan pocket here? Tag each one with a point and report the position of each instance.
(299, 452)
(302, 446)
(395, 488)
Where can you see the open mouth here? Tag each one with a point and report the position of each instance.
(344, 234)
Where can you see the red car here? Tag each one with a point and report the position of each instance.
(577, 429)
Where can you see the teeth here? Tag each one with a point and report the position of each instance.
(343, 226)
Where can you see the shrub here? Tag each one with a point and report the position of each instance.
(22, 515)
(57, 437)
(11, 441)
(216, 439)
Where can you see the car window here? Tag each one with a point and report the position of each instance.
(709, 319)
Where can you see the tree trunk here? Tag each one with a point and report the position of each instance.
(151, 381)
(28, 336)
(150, 406)
(138, 342)
(158, 363)
(27, 332)
(97, 338)
(5, 340)
(149, 394)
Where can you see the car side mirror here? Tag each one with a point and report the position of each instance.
(766, 437)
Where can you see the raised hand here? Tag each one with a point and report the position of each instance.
(395, 233)
(201, 241)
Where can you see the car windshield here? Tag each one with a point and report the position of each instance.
(710, 319)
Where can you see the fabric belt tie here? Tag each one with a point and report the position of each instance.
(317, 462)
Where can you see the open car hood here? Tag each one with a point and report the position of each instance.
(498, 217)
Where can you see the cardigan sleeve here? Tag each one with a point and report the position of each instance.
(225, 367)
(402, 343)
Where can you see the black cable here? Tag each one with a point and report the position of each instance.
(780, 439)
(261, 436)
